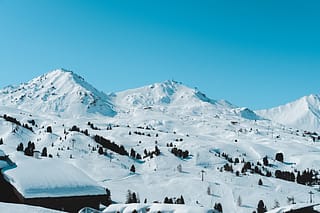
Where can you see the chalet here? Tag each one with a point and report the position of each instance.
(51, 183)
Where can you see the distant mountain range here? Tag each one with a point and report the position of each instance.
(65, 93)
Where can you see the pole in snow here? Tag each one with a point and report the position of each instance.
(202, 176)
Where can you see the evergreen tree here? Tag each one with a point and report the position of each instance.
(49, 129)
(44, 152)
(166, 200)
(134, 198)
(218, 207)
(100, 150)
(279, 156)
(132, 153)
(157, 151)
(265, 161)
(261, 207)
(138, 156)
(129, 197)
(260, 182)
(133, 169)
(1, 141)
(20, 147)
(181, 200)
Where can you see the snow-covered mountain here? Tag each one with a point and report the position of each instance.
(171, 97)
(64, 93)
(303, 113)
(227, 145)
(166, 93)
(59, 92)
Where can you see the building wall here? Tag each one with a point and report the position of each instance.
(7, 191)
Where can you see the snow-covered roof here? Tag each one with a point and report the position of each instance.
(293, 207)
(19, 208)
(35, 178)
(168, 208)
(2, 154)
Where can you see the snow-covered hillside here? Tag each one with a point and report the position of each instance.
(59, 92)
(208, 151)
(303, 113)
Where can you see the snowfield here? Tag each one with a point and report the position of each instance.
(141, 119)
(18, 208)
(154, 208)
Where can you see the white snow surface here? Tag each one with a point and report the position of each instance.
(155, 208)
(303, 113)
(35, 178)
(168, 112)
(291, 207)
(59, 92)
(19, 208)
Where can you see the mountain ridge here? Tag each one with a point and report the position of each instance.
(59, 91)
(65, 93)
(303, 113)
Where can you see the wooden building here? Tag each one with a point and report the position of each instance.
(51, 184)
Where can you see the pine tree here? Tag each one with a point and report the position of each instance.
(133, 169)
(1, 141)
(20, 147)
(260, 182)
(181, 200)
(100, 150)
(279, 157)
(138, 156)
(129, 197)
(44, 152)
(132, 153)
(218, 207)
(265, 161)
(49, 129)
(166, 200)
(261, 207)
(157, 150)
(134, 198)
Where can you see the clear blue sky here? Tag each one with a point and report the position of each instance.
(252, 53)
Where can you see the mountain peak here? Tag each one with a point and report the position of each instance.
(59, 75)
(60, 92)
(168, 94)
(302, 113)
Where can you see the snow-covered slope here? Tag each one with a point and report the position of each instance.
(58, 92)
(303, 113)
(155, 208)
(165, 115)
(171, 97)
(167, 93)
